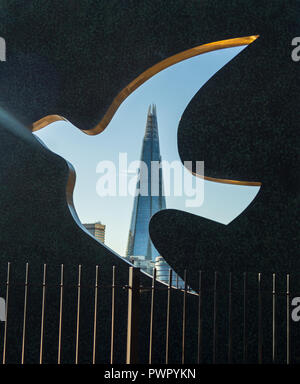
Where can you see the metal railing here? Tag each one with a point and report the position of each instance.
(232, 297)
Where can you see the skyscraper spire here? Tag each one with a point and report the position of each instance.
(154, 110)
(151, 126)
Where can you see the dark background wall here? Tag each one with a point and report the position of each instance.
(72, 59)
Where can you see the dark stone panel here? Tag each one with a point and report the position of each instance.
(72, 59)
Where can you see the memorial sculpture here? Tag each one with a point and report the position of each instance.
(79, 61)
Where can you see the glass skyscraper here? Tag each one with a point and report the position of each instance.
(146, 204)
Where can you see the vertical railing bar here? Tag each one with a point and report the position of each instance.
(168, 316)
(152, 315)
(132, 353)
(184, 318)
(215, 319)
(288, 319)
(60, 312)
(259, 320)
(199, 357)
(245, 319)
(6, 313)
(95, 315)
(24, 314)
(43, 314)
(78, 313)
(230, 320)
(274, 319)
(112, 340)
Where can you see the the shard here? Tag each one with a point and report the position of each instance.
(146, 204)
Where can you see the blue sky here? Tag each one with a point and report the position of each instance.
(171, 90)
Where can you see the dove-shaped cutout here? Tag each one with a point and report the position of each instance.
(56, 137)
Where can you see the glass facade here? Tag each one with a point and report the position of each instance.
(146, 205)
(162, 273)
